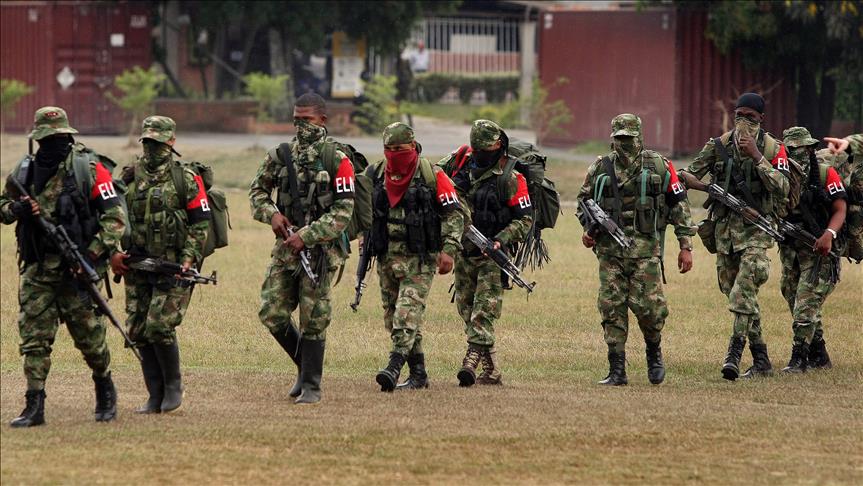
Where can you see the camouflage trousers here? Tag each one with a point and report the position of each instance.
(740, 275)
(804, 298)
(155, 306)
(405, 284)
(286, 287)
(47, 297)
(630, 284)
(479, 297)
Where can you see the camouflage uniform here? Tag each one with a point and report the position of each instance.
(405, 276)
(286, 286)
(48, 293)
(478, 282)
(631, 278)
(849, 165)
(805, 293)
(742, 264)
(156, 304)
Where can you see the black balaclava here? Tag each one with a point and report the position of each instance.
(53, 150)
(481, 160)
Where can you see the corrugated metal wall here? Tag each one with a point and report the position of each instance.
(95, 40)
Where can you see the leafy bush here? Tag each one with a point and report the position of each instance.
(11, 92)
(140, 88)
(506, 114)
(269, 91)
(548, 116)
(432, 86)
(379, 107)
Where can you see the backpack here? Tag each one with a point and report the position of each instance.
(221, 219)
(81, 168)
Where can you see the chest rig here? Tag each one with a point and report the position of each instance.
(638, 200)
(304, 187)
(158, 216)
(736, 174)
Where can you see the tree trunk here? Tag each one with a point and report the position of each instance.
(807, 99)
(248, 45)
(827, 104)
(220, 47)
(288, 49)
(279, 65)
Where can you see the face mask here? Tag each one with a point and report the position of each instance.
(155, 153)
(401, 162)
(308, 133)
(627, 147)
(745, 126)
(483, 159)
(54, 149)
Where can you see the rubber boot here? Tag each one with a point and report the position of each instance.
(312, 369)
(818, 357)
(616, 369)
(491, 374)
(799, 358)
(153, 380)
(760, 362)
(388, 377)
(418, 377)
(731, 367)
(168, 356)
(290, 342)
(467, 374)
(34, 410)
(106, 398)
(655, 366)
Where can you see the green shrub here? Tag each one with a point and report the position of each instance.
(11, 92)
(268, 91)
(432, 86)
(506, 114)
(379, 108)
(140, 88)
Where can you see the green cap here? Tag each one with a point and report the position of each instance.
(50, 120)
(158, 128)
(798, 137)
(484, 134)
(626, 125)
(398, 133)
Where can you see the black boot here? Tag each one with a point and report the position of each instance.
(418, 377)
(312, 369)
(106, 398)
(290, 342)
(818, 357)
(168, 356)
(760, 362)
(616, 369)
(34, 410)
(153, 380)
(731, 367)
(799, 358)
(655, 366)
(388, 377)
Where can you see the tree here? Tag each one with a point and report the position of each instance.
(379, 108)
(820, 44)
(268, 91)
(11, 92)
(140, 88)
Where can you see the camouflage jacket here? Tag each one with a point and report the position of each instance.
(675, 206)
(733, 233)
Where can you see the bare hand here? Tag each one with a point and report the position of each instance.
(836, 145)
(684, 261)
(185, 266)
(495, 246)
(35, 210)
(444, 263)
(824, 244)
(118, 263)
(748, 146)
(587, 241)
(280, 226)
(295, 243)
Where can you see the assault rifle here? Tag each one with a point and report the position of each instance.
(800, 234)
(720, 195)
(363, 266)
(498, 257)
(165, 267)
(80, 268)
(306, 262)
(593, 218)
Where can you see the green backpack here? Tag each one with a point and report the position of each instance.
(221, 219)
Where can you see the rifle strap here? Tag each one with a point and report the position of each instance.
(725, 156)
(286, 156)
(608, 165)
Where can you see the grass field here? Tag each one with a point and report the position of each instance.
(549, 423)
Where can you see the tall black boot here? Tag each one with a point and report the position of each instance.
(34, 410)
(106, 398)
(818, 357)
(312, 368)
(168, 356)
(153, 380)
(418, 377)
(655, 366)
(799, 358)
(388, 377)
(760, 362)
(616, 369)
(290, 342)
(731, 367)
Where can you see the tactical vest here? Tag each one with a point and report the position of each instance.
(72, 209)
(740, 178)
(641, 196)
(305, 190)
(161, 214)
(815, 204)
(421, 220)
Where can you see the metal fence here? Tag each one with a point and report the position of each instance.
(469, 45)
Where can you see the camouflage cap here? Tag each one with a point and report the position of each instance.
(626, 125)
(798, 137)
(50, 120)
(158, 128)
(484, 134)
(398, 133)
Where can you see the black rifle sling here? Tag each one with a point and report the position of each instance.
(285, 154)
(608, 165)
(736, 175)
